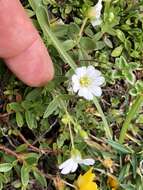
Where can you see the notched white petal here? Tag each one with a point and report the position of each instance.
(68, 167)
(96, 91)
(88, 162)
(75, 78)
(83, 92)
(99, 81)
(76, 87)
(92, 72)
(80, 71)
(66, 163)
(74, 167)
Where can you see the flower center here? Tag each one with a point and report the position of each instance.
(85, 81)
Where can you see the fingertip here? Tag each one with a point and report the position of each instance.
(33, 66)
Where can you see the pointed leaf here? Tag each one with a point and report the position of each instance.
(40, 178)
(25, 175)
(51, 108)
(5, 167)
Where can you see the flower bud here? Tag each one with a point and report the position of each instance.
(66, 119)
(83, 134)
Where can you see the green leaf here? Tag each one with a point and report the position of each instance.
(51, 108)
(97, 36)
(122, 63)
(73, 30)
(33, 95)
(68, 45)
(26, 104)
(121, 148)
(30, 120)
(40, 177)
(1, 185)
(21, 148)
(3, 178)
(117, 51)
(5, 167)
(130, 77)
(14, 106)
(34, 3)
(19, 119)
(99, 45)
(87, 43)
(108, 42)
(60, 30)
(25, 175)
(120, 35)
(31, 158)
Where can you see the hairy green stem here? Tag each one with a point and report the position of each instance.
(134, 109)
(71, 136)
(108, 132)
(81, 29)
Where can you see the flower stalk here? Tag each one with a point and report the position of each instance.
(81, 29)
(134, 109)
(71, 136)
(106, 126)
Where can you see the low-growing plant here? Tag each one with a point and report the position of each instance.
(90, 114)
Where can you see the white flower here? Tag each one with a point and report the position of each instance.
(87, 81)
(94, 14)
(71, 164)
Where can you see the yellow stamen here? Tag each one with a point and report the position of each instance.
(85, 81)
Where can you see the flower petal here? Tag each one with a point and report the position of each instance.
(74, 168)
(76, 87)
(75, 83)
(75, 78)
(95, 90)
(99, 81)
(98, 8)
(68, 168)
(80, 71)
(96, 22)
(65, 164)
(88, 162)
(92, 72)
(84, 92)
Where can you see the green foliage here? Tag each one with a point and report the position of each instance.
(34, 128)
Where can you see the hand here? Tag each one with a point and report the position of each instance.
(21, 46)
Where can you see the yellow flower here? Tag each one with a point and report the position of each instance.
(86, 181)
(113, 182)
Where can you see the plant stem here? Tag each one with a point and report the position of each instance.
(81, 29)
(129, 117)
(106, 126)
(71, 136)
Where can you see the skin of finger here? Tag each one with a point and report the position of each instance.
(16, 29)
(33, 66)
